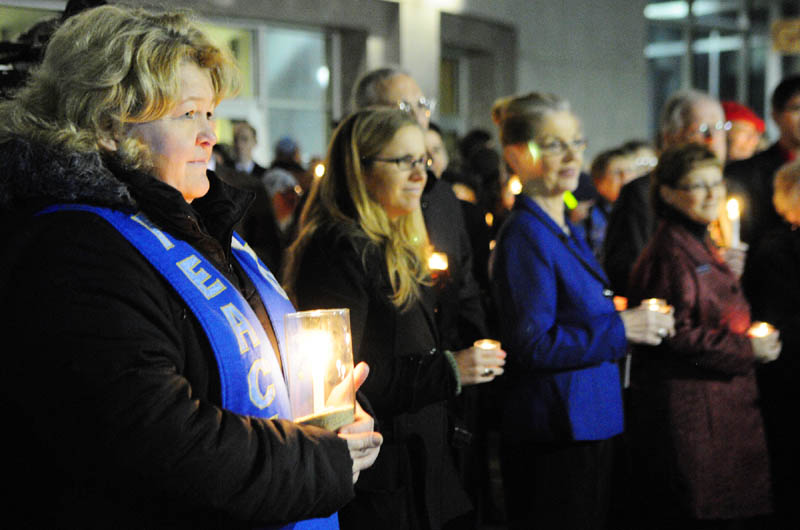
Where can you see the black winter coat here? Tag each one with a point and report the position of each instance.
(413, 483)
(460, 318)
(630, 225)
(112, 398)
(772, 285)
(751, 180)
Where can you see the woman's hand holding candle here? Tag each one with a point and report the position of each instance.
(481, 363)
(650, 323)
(766, 342)
(362, 441)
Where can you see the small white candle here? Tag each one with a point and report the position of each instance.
(732, 206)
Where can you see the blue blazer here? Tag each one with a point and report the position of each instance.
(560, 330)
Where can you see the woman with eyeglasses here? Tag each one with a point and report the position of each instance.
(696, 429)
(363, 245)
(563, 397)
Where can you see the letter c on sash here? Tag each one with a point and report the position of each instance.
(260, 399)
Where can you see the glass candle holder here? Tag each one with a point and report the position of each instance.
(319, 358)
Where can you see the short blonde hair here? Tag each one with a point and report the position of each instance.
(109, 66)
(341, 198)
(786, 194)
(518, 118)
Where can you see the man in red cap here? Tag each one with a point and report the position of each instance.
(744, 130)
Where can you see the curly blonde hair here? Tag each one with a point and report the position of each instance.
(341, 198)
(107, 67)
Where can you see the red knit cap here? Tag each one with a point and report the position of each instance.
(737, 112)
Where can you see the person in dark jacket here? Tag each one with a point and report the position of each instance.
(772, 287)
(563, 398)
(696, 431)
(688, 116)
(459, 313)
(363, 245)
(751, 179)
(149, 392)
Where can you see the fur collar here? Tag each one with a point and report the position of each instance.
(37, 173)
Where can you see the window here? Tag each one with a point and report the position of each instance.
(729, 49)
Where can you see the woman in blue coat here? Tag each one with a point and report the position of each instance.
(563, 399)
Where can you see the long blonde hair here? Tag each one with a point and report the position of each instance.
(341, 198)
(106, 67)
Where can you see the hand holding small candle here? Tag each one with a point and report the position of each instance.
(765, 340)
(481, 363)
(650, 323)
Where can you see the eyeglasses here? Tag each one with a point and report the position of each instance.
(707, 129)
(698, 186)
(425, 104)
(557, 147)
(404, 163)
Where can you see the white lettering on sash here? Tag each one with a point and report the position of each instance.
(260, 399)
(263, 270)
(199, 277)
(240, 326)
(155, 231)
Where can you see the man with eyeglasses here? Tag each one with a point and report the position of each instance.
(460, 318)
(752, 178)
(687, 117)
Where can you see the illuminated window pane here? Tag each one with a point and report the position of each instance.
(296, 65)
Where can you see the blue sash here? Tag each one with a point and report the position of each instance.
(251, 379)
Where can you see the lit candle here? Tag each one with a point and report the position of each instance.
(489, 218)
(760, 329)
(487, 344)
(437, 261)
(318, 348)
(515, 185)
(732, 206)
(656, 304)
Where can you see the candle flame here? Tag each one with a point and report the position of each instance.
(760, 329)
(319, 170)
(489, 218)
(515, 185)
(438, 261)
(732, 207)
